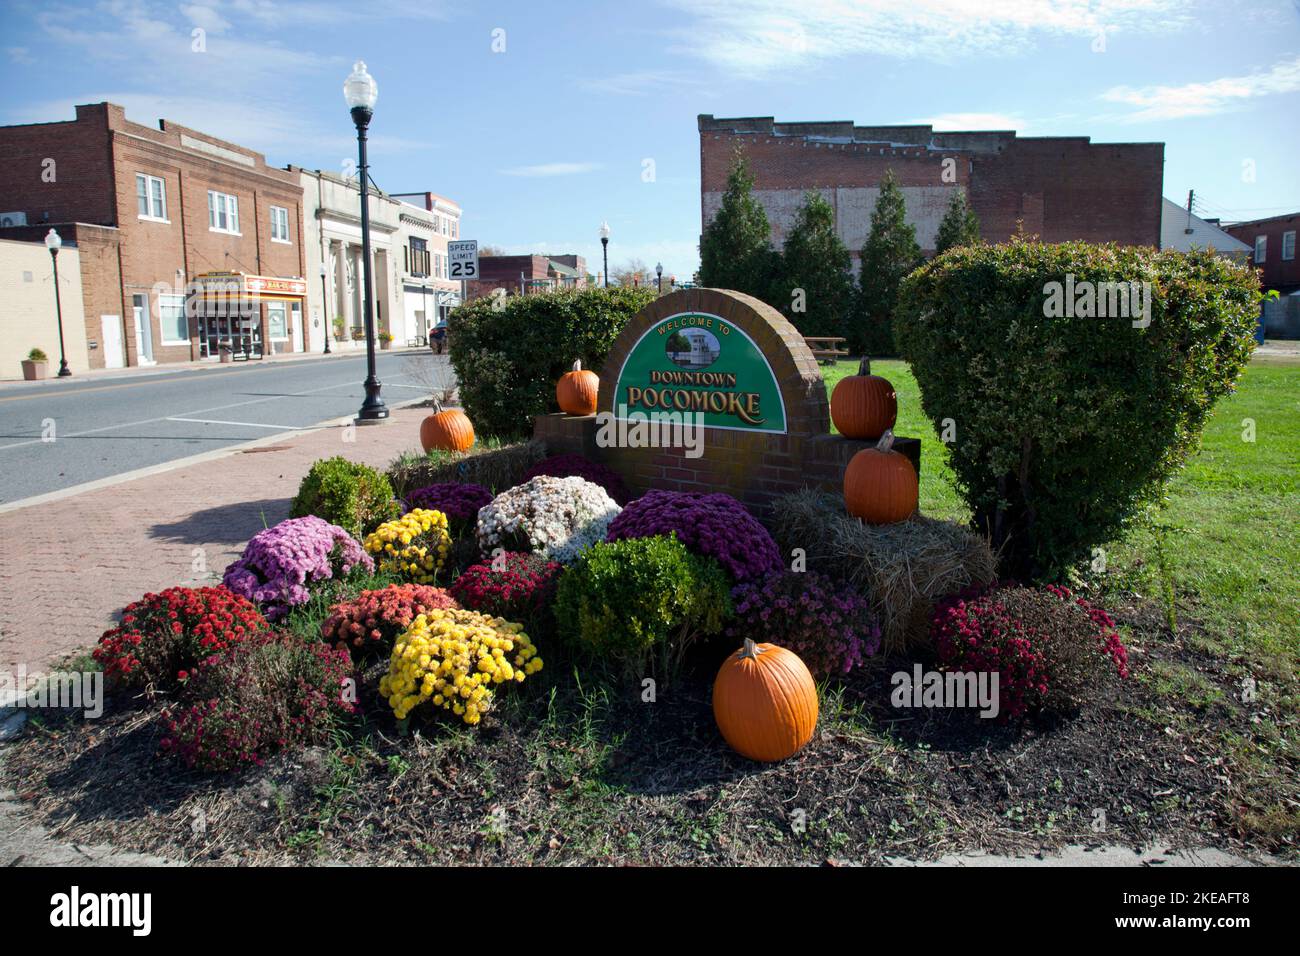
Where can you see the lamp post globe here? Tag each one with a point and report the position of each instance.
(604, 245)
(54, 242)
(659, 276)
(360, 92)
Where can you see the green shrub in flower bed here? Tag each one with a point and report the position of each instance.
(638, 605)
(491, 463)
(1070, 411)
(353, 496)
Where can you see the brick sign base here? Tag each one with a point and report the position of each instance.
(752, 465)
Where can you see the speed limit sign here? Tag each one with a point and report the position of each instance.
(462, 259)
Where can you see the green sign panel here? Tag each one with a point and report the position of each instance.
(695, 362)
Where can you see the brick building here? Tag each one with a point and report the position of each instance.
(186, 243)
(528, 273)
(1057, 188)
(1273, 245)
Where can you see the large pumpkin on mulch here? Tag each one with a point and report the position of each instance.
(765, 702)
(447, 430)
(577, 389)
(863, 405)
(880, 485)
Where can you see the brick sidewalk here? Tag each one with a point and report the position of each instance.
(68, 566)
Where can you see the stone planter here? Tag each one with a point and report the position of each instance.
(385, 344)
(34, 371)
(227, 354)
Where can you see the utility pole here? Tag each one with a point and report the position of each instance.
(1191, 197)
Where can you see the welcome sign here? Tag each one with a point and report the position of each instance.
(700, 363)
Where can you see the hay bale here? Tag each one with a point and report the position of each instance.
(903, 569)
(494, 468)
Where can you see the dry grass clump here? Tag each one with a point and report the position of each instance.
(903, 569)
(490, 464)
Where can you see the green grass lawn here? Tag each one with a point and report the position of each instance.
(1230, 529)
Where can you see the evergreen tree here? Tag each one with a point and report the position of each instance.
(814, 286)
(890, 253)
(736, 249)
(960, 226)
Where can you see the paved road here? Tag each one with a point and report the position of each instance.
(106, 426)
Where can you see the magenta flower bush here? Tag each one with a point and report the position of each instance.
(832, 629)
(713, 525)
(460, 502)
(569, 466)
(280, 564)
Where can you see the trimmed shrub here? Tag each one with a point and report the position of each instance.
(373, 619)
(555, 517)
(414, 546)
(494, 468)
(514, 586)
(509, 354)
(570, 466)
(353, 496)
(831, 629)
(273, 694)
(165, 638)
(1050, 651)
(459, 502)
(281, 565)
(640, 604)
(713, 525)
(1069, 424)
(452, 660)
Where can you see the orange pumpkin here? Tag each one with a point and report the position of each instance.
(880, 484)
(863, 405)
(576, 391)
(765, 702)
(447, 430)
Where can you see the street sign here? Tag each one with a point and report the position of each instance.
(462, 259)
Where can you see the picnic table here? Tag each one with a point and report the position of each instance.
(826, 348)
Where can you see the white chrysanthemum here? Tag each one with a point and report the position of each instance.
(555, 517)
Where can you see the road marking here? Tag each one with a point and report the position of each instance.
(217, 421)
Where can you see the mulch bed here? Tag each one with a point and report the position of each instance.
(579, 772)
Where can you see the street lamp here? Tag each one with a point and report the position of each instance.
(360, 91)
(604, 243)
(53, 242)
(324, 307)
(659, 276)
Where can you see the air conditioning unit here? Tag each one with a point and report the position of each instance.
(12, 219)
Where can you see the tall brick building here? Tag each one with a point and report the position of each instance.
(1057, 188)
(163, 218)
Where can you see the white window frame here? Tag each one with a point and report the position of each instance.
(162, 324)
(280, 217)
(151, 202)
(1261, 249)
(223, 206)
(1288, 237)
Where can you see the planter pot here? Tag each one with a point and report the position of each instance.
(227, 356)
(34, 371)
(386, 345)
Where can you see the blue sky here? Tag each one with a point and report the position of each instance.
(543, 139)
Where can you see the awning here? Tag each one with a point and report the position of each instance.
(224, 286)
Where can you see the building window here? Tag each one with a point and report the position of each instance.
(223, 212)
(171, 319)
(151, 197)
(1261, 249)
(279, 224)
(417, 257)
(455, 228)
(277, 321)
(1288, 245)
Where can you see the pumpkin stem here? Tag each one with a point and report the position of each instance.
(577, 365)
(750, 651)
(886, 441)
(864, 367)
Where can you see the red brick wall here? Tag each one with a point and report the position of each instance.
(1278, 273)
(82, 189)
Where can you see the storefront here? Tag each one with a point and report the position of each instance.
(247, 315)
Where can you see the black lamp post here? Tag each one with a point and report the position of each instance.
(604, 244)
(53, 243)
(360, 91)
(324, 307)
(659, 276)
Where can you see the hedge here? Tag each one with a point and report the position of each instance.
(509, 352)
(1067, 425)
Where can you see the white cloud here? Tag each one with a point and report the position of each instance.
(960, 122)
(1204, 99)
(762, 37)
(20, 55)
(640, 83)
(551, 169)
